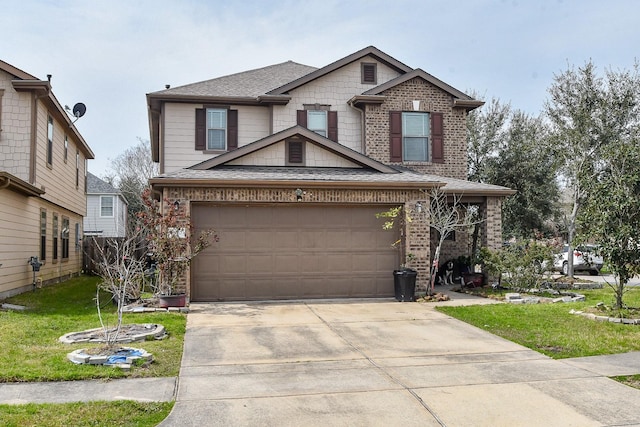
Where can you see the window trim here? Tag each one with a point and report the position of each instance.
(64, 236)
(50, 133)
(66, 149)
(54, 235)
(112, 206)
(208, 148)
(43, 235)
(427, 136)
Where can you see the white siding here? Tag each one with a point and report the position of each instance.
(107, 226)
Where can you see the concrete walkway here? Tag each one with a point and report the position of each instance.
(363, 363)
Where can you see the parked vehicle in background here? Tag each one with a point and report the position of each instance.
(585, 258)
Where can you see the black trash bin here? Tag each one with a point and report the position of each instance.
(404, 284)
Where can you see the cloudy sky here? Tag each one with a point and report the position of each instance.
(110, 54)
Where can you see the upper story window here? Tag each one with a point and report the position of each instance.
(78, 169)
(106, 206)
(216, 129)
(66, 148)
(369, 73)
(50, 141)
(415, 137)
(319, 119)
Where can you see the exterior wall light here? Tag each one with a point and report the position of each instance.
(299, 194)
(419, 207)
(176, 205)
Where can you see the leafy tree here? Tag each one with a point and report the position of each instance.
(130, 172)
(509, 148)
(486, 131)
(611, 213)
(575, 112)
(525, 163)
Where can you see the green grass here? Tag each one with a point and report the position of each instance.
(31, 350)
(121, 413)
(552, 330)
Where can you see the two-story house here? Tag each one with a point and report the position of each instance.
(290, 164)
(43, 161)
(106, 209)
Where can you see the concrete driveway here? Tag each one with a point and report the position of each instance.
(376, 363)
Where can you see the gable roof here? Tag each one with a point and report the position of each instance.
(96, 185)
(308, 135)
(16, 72)
(367, 51)
(461, 98)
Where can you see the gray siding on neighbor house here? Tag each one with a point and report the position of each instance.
(95, 224)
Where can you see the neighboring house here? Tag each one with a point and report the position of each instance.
(106, 209)
(289, 164)
(43, 162)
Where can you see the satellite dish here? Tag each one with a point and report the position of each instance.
(79, 109)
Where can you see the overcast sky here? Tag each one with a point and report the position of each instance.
(110, 54)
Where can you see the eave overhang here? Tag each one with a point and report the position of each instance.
(360, 100)
(19, 186)
(159, 183)
(42, 90)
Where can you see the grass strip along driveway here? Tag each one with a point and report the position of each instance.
(31, 352)
(552, 330)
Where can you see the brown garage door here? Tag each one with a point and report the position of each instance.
(292, 251)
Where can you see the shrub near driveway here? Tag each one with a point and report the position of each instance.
(31, 350)
(552, 330)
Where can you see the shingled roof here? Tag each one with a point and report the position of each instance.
(252, 83)
(97, 186)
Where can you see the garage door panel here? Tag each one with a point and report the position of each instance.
(292, 251)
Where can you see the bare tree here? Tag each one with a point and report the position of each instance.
(130, 172)
(122, 271)
(446, 214)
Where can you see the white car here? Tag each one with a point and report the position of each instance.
(585, 258)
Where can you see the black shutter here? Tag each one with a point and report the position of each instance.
(201, 129)
(437, 140)
(232, 130)
(332, 125)
(301, 118)
(395, 128)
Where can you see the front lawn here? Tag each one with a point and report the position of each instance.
(31, 350)
(552, 330)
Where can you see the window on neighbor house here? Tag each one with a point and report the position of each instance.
(66, 148)
(78, 169)
(369, 73)
(43, 235)
(55, 236)
(106, 206)
(216, 129)
(50, 141)
(65, 237)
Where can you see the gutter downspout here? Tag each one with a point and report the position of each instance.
(362, 129)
